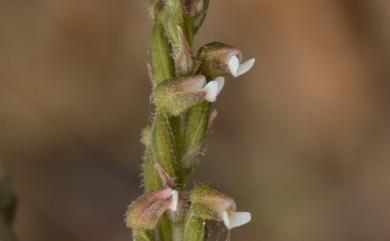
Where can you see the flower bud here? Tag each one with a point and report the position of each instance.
(145, 212)
(217, 59)
(171, 16)
(210, 204)
(196, 11)
(178, 95)
(155, 7)
(172, 19)
(161, 64)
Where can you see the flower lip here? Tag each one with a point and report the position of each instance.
(236, 68)
(214, 88)
(212, 91)
(235, 219)
(221, 83)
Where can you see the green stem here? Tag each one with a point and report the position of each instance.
(165, 229)
(177, 231)
(190, 30)
(160, 59)
(195, 228)
(163, 144)
(161, 148)
(143, 235)
(196, 131)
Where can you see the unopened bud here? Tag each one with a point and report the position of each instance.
(155, 7)
(196, 11)
(178, 95)
(145, 212)
(194, 7)
(217, 59)
(211, 204)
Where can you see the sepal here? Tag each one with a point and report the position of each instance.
(145, 212)
(178, 95)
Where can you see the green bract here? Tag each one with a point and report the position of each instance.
(178, 95)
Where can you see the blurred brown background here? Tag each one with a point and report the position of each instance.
(302, 141)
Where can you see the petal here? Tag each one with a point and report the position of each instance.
(221, 83)
(238, 219)
(226, 219)
(174, 200)
(234, 64)
(245, 67)
(212, 91)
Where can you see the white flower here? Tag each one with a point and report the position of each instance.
(174, 200)
(235, 219)
(214, 88)
(237, 69)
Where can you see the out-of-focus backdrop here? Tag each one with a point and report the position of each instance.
(302, 141)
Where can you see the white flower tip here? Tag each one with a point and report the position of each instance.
(226, 219)
(237, 69)
(174, 200)
(221, 83)
(245, 67)
(214, 88)
(211, 89)
(235, 219)
(234, 64)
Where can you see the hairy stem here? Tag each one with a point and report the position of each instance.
(195, 228)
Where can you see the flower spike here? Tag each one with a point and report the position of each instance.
(184, 86)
